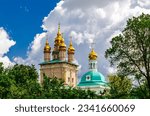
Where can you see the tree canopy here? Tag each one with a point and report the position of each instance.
(120, 87)
(130, 50)
(21, 82)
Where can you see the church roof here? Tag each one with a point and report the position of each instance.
(92, 78)
(56, 62)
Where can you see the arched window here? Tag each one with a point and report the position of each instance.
(94, 66)
(91, 66)
(72, 80)
(68, 79)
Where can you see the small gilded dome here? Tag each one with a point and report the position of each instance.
(57, 41)
(71, 48)
(59, 38)
(92, 55)
(47, 47)
(62, 46)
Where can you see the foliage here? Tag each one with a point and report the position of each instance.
(120, 86)
(21, 82)
(140, 92)
(54, 88)
(130, 51)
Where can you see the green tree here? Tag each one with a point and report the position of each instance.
(120, 87)
(54, 88)
(25, 82)
(130, 51)
(140, 92)
(5, 82)
(21, 82)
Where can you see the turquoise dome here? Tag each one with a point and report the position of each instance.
(92, 78)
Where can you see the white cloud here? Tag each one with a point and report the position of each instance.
(87, 21)
(112, 70)
(144, 3)
(115, 33)
(5, 42)
(5, 45)
(6, 61)
(35, 51)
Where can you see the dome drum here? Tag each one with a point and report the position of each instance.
(47, 51)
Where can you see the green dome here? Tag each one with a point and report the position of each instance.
(92, 78)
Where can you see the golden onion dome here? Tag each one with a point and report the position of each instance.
(59, 38)
(62, 46)
(62, 43)
(92, 55)
(71, 48)
(47, 47)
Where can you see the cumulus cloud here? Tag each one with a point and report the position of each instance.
(35, 51)
(5, 45)
(87, 21)
(144, 3)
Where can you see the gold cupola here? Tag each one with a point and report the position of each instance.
(59, 38)
(47, 47)
(62, 45)
(71, 49)
(92, 55)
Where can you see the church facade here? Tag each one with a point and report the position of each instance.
(59, 62)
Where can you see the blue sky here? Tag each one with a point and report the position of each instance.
(22, 19)
(25, 24)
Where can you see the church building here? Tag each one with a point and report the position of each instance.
(59, 62)
(93, 79)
